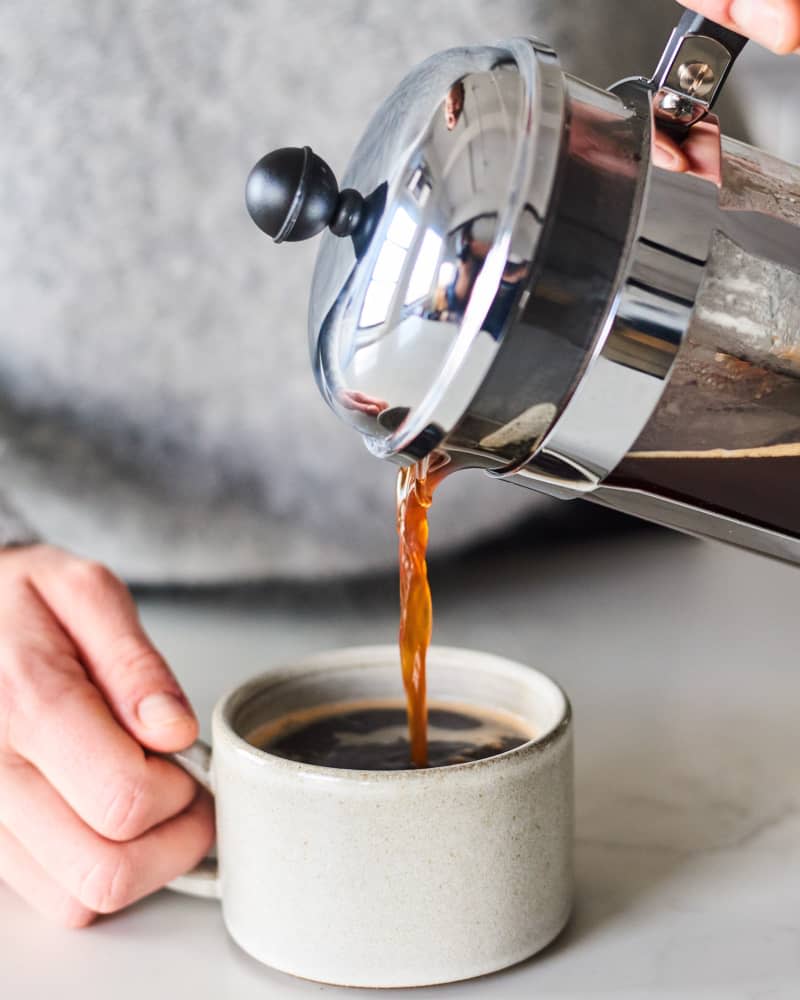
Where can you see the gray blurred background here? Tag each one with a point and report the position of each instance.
(157, 409)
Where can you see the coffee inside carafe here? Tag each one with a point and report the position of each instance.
(725, 436)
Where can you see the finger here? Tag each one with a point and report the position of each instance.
(361, 397)
(772, 23)
(61, 723)
(30, 881)
(102, 875)
(68, 733)
(99, 614)
(703, 150)
(667, 154)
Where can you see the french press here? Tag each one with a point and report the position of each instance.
(510, 277)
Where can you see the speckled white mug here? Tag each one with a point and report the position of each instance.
(390, 878)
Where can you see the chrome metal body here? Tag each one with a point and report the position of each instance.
(532, 275)
(698, 521)
(695, 63)
(665, 266)
(688, 78)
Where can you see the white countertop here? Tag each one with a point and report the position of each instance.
(679, 657)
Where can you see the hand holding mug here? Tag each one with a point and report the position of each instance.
(90, 820)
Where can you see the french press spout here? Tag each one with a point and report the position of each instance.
(509, 274)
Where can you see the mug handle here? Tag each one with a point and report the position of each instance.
(203, 879)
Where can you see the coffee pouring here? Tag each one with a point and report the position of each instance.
(511, 277)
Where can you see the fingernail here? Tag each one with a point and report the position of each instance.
(162, 709)
(762, 20)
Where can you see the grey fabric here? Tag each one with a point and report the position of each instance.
(14, 529)
(156, 405)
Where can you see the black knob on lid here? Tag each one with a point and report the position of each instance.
(292, 195)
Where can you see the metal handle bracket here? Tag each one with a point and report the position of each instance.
(690, 75)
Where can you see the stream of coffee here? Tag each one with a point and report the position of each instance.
(369, 735)
(415, 486)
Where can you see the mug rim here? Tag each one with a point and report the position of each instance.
(323, 661)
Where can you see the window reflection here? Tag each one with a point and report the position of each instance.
(388, 269)
(377, 302)
(401, 228)
(425, 268)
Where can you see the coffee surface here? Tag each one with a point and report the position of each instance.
(373, 736)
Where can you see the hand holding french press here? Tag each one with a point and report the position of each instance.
(774, 24)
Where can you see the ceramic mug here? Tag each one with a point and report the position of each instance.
(390, 878)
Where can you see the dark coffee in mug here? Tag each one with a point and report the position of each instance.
(373, 735)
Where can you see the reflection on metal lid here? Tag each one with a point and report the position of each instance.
(401, 228)
(419, 307)
(425, 268)
(377, 302)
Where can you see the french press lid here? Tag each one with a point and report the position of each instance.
(429, 242)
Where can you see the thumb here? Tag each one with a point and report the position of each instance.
(98, 613)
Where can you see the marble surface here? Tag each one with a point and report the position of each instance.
(678, 657)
